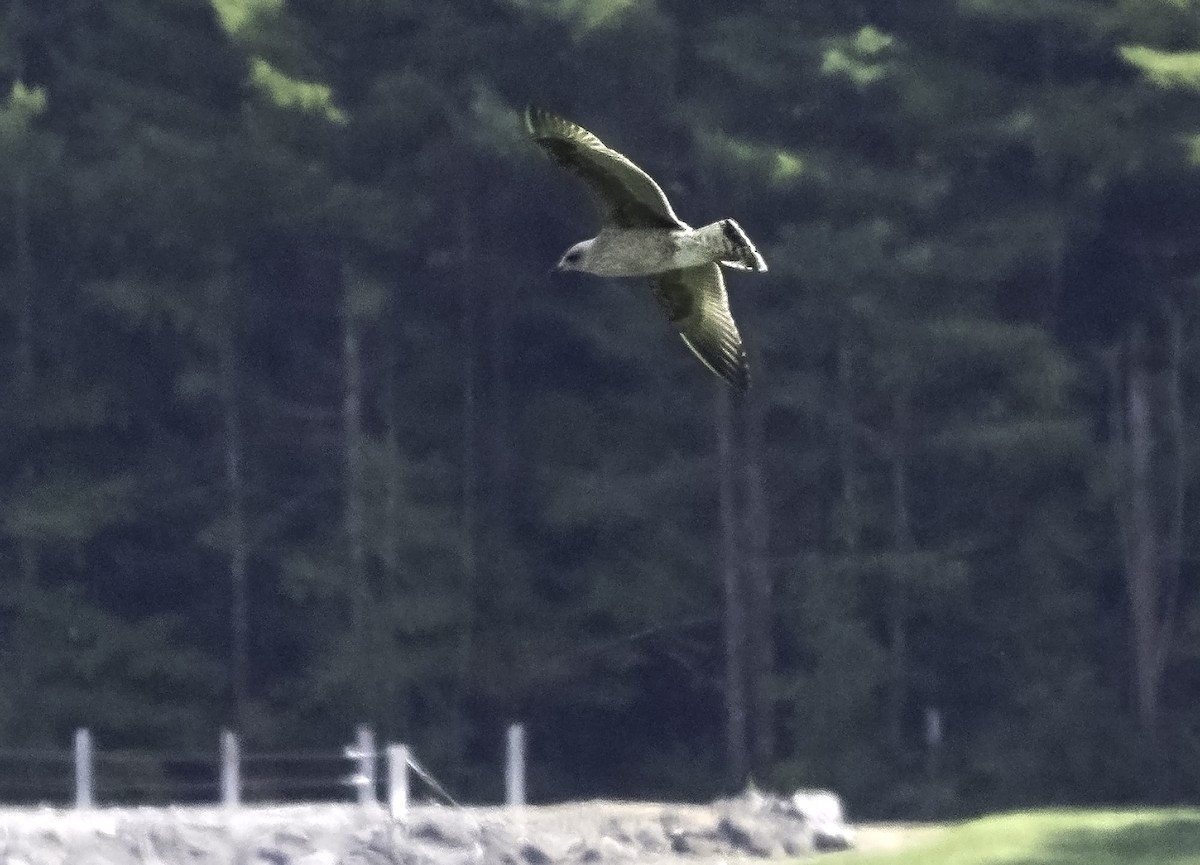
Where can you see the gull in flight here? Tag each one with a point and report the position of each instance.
(642, 236)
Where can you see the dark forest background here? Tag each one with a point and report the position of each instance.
(298, 432)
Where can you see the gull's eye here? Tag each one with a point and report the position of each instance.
(574, 257)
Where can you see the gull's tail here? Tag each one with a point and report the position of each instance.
(734, 248)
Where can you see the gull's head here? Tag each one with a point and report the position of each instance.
(574, 257)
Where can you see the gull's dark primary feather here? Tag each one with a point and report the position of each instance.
(695, 300)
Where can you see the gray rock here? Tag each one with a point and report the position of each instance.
(271, 856)
(822, 810)
(438, 833)
(601, 850)
(698, 844)
(749, 837)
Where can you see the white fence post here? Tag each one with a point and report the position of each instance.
(363, 751)
(514, 767)
(83, 768)
(397, 759)
(231, 769)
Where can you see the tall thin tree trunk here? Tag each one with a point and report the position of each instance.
(354, 503)
(1148, 438)
(469, 490)
(394, 480)
(849, 527)
(760, 587)
(28, 551)
(499, 490)
(352, 398)
(737, 755)
(1140, 556)
(469, 495)
(235, 490)
(902, 546)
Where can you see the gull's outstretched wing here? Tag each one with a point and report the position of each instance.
(627, 196)
(694, 299)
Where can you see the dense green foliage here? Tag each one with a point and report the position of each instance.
(1167, 836)
(298, 432)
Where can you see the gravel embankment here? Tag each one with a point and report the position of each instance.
(752, 827)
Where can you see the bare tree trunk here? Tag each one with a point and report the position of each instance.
(469, 491)
(394, 480)
(469, 500)
(902, 547)
(500, 468)
(736, 698)
(850, 525)
(235, 489)
(354, 504)
(28, 551)
(352, 397)
(760, 587)
(1148, 441)
(390, 697)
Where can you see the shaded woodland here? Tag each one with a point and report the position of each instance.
(298, 432)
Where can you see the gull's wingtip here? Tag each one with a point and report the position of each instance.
(738, 376)
(534, 118)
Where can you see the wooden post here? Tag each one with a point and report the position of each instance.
(397, 758)
(231, 770)
(84, 777)
(514, 771)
